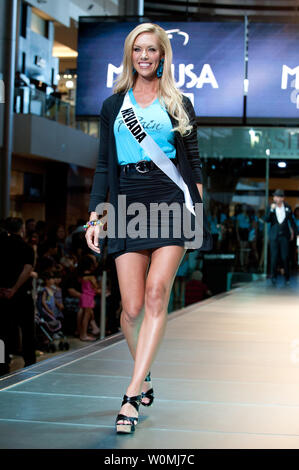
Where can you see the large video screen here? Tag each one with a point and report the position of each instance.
(273, 71)
(208, 64)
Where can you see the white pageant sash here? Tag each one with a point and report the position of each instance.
(153, 150)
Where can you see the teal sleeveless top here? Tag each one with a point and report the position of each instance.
(155, 121)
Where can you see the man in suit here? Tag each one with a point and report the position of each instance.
(282, 231)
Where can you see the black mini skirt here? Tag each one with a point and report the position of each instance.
(146, 225)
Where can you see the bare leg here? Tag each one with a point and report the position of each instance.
(164, 265)
(79, 320)
(95, 329)
(84, 325)
(131, 273)
(131, 270)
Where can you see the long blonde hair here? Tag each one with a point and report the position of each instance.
(167, 91)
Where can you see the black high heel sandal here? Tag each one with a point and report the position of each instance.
(149, 394)
(126, 427)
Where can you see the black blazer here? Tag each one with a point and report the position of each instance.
(107, 170)
(277, 229)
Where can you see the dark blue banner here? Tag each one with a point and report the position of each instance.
(208, 64)
(273, 71)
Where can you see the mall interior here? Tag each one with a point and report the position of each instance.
(223, 303)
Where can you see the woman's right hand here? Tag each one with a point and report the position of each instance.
(92, 237)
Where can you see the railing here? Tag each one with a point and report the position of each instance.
(29, 100)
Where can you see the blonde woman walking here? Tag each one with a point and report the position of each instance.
(145, 103)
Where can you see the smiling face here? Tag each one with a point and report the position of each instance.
(146, 55)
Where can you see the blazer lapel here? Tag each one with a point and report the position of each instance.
(119, 98)
(118, 101)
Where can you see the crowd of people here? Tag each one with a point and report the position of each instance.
(50, 279)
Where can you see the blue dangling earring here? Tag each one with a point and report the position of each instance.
(133, 70)
(160, 68)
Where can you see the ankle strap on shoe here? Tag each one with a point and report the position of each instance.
(148, 377)
(135, 401)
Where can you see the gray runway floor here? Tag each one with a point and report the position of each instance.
(226, 376)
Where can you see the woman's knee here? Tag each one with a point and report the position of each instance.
(131, 310)
(156, 295)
